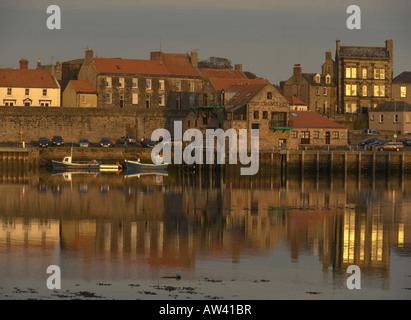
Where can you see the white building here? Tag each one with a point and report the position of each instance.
(28, 87)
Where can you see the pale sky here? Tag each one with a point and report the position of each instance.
(267, 36)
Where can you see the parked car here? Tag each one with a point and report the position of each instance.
(105, 143)
(367, 141)
(370, 131)
(44, 142)
(83, 143)
(377, 143)
(406, 142)
(131, 139)
(391, 146)
(147, 143)
(57, 141)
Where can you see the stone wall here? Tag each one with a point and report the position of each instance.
(74, 123)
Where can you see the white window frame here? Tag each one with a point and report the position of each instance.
(108, 82)
(161, 100)
(135, 98)
(135, 83)
(161, 84)
(121, 82)
(148, 84)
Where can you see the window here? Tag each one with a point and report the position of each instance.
(336, 135)
(395, 118)
(325, 91)
(44, 92)
(148, 100)
(294, 134)
(316, 134)
(178, 85)
(83, 98)
(178, 102)
(364, 91)
(281, 142)
(27, 92)
(350, 72)
(316, 105)
(317, 91)
(372, 117)
(9, 91)
(135, 83)
(148, 83)
(160, 84)
(327, 79)
(121, 82)
(381, 118)
(269, 95)
(379, 73)
(108, 82)
(364, 73)
(161, 99)
(317, 78)
(350, 89)
(351, 108)
(191, 86)
(407, 118)
(379, 91)
(135, 98)
(265, 115)
(256, 115)
(108, 97)
(27, 104)
(403, 92)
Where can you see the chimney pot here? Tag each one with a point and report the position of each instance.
(24, 64)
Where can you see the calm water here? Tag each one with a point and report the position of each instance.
(228, 237)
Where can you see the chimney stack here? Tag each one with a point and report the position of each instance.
(194, 58)
(157, 56)
(89, 55)
(297, 69)
(24, 64)
(238, 67)
(328, 55)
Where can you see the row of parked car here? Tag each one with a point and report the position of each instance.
(84, 143)
(385, 145)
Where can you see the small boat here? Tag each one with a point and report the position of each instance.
(144, 166)
(67, 163)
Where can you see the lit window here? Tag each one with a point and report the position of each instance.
(160, 84)
(403, 92)
(294, 134)
(350, 89)
(316, 135)
(379, 91)
(351, 72)
(135, 83)
(379, 73)
(336, 135)
(364, 73)
(364, 91)
(381, 118)
(327, 79)
(121, 82)
(108, 82)
(135, 98)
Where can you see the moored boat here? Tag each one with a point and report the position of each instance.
(67, 163)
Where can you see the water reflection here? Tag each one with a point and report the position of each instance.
(175, 219)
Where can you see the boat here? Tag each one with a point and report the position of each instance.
(137, 164)
(67, 163)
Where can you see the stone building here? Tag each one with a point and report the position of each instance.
(166, 81)
(258, 106)
(28, 87)
(79, 94)
(394, 116)
(401, 87)
(363, 76)
(312, 130)
(317, 91)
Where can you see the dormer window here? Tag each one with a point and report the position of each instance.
(327, 79)
(317, 78)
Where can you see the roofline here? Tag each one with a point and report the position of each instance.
(148, 74)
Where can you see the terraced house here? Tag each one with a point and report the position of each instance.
(167, 81)
(363, 76)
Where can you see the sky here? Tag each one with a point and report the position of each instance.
(266, 36)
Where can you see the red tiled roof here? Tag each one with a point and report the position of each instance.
(27, 78)
(222, 73)
(172, 65)
(309, 119)
(294, 101)
(225, 83)
(244, 93)
(82, 86)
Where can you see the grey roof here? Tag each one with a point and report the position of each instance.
(398, 106)
(310, 78)
(404, 77)
(364, 52)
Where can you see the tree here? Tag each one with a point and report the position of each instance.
(215, 63)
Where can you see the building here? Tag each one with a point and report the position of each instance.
(391, 116)
(363, 76)
(296, 104)
(401, 87)
(79, 94)
(258, 106)
(28, 87)
(317, 91)
(312, 130)
(166, 81)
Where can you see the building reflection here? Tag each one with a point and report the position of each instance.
(174, 220)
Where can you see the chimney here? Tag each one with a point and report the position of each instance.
(297, 69)
(157, 56)
(38, 64)
(24, 64)
(328, 55)
(88, 56)
(389, 47)
(194, 58)
(338, 46)
(238, 67)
